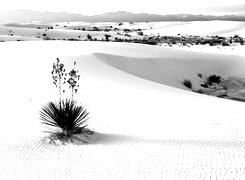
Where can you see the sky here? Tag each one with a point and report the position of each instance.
(92, 7)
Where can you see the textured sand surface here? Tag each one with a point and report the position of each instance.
(166, 159)
(146, 130)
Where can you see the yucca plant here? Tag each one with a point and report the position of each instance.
(68, 118)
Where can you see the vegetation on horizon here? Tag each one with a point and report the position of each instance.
(120, 33)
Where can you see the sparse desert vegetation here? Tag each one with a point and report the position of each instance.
(215, 85)
(114, 32)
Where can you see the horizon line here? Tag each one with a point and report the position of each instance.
(124, 11)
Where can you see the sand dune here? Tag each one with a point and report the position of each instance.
(171, 70)
(202, 28)
(57, 33)
(146, 130)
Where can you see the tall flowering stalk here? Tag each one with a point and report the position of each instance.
(73, 81)
(59, 76)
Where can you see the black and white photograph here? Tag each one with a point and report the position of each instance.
(122, 90)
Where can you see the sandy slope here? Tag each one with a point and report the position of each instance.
(172, 69)
(147, 130)
(203, 28)
(57, 33)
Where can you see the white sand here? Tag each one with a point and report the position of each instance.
(148, 130)
(57, 33)
(202, 28)
(65, 30)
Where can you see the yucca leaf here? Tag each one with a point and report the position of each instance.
(67, 116)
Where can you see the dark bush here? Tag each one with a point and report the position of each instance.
(150, 42)
(73, 39)
(187, 83)
(89, 37)
(199, 75)
(107, 36)
(140, 33)
(68, 118)
(213, 79)
(204, 85)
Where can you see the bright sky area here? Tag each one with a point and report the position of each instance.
(92, 7)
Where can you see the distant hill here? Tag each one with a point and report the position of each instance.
(120, 16)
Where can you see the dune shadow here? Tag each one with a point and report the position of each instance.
(100, 138)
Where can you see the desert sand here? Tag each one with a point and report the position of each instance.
(202, 28)
(144, 128)
(69, 30)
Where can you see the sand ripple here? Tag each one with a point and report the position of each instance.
(139, 159)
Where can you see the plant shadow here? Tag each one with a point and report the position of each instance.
(102, 138)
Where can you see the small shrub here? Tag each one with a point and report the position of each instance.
(241, 42)
(140, 33)
(187, 83)
(89, 37)
(199, 75)
(204, 85)
(213, 79)
(127, 35)
(72, 39)
(150, 42)
(107, 36)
